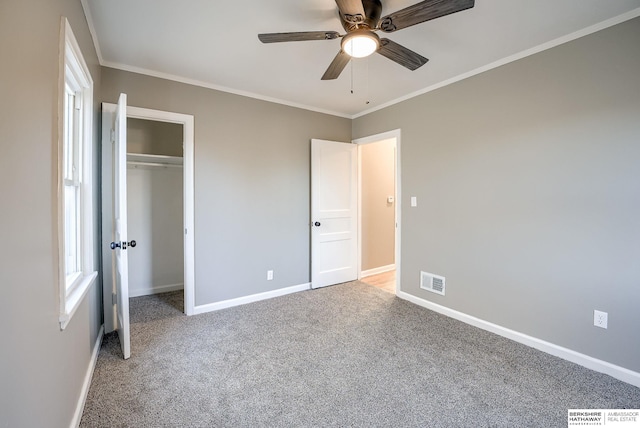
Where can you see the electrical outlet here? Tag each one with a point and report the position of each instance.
(600, 319)
(269, 275)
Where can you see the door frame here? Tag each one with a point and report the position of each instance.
(187, 121)
(389, 135)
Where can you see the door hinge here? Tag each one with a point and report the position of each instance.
(78, 100)
(114, 298)
(113, 135)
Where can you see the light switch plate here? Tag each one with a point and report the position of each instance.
(414, 201)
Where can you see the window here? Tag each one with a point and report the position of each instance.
(75, 199)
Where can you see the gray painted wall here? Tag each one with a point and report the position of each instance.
(252, 163)
(154, 220)
(528, 186)
(154, 137)
(41, 368)
(378, 216)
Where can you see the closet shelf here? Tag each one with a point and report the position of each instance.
(153, 160)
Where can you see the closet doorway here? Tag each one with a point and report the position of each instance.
(160, 205)
(154, 206)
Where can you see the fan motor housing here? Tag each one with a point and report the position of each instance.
(373, 12)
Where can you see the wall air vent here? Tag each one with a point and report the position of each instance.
(433, 283)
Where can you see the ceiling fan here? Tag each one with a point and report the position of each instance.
(360, 18)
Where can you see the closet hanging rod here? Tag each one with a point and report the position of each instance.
(146, 157)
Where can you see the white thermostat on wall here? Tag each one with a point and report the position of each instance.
(389, 199)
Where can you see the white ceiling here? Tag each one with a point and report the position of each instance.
(214, 44)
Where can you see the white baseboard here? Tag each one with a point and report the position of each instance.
(77, 416)
(137, 292)
(250, 299)
(375, 271)
(601, 366)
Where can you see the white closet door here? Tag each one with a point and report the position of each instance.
(120, 243)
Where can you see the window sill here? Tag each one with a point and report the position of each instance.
(73, 300)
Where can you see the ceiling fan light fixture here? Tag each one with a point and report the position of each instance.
(360, 44)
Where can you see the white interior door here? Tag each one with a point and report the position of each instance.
(120, 264)
(334, 244)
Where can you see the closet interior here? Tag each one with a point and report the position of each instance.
(155, 206)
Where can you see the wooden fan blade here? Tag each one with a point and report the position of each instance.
(298, 37)
(352, 11)
(337, 65)
(401, 55)
(421, 12)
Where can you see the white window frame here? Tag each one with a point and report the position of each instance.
(74, 80)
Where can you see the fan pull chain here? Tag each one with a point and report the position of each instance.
(351, 66)
(367, 82)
